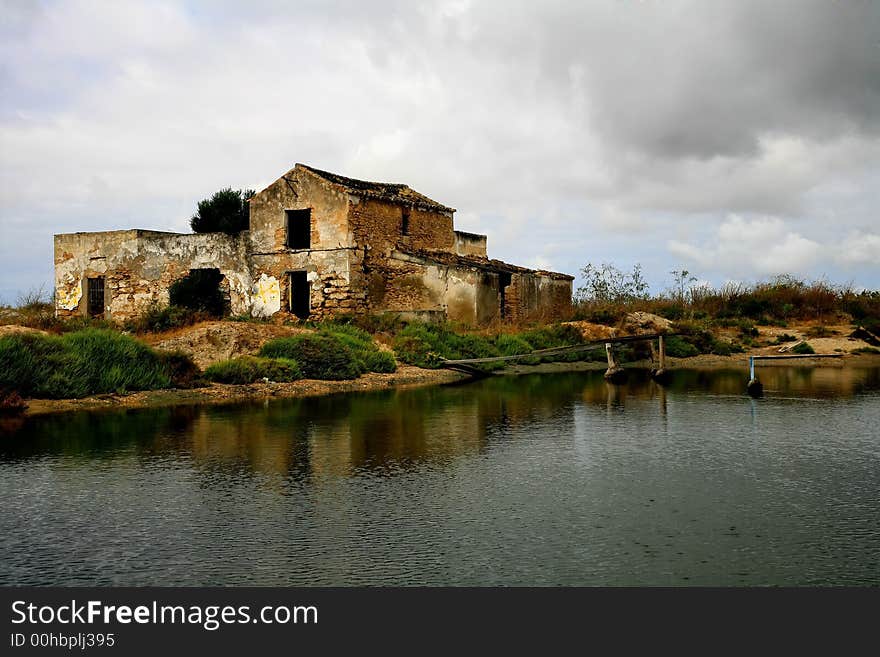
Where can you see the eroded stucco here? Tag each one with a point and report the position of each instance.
(266, 300)
(367, 253)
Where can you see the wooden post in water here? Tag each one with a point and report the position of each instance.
(754, 388)
(660, 374)
(614, 373)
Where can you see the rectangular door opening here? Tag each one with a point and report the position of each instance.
(504, 280)
(95, 296)
(300, 294)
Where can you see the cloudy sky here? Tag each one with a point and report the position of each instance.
(736, 139)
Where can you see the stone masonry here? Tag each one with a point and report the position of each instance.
(318, 245)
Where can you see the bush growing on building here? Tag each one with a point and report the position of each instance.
(78, 364)
(227, 211)
(199, 291)
(250, 369)
(319, 356)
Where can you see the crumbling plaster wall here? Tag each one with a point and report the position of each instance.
(535, 295)
(470, 244)
(335, 286)
(139, 266)
(465, 294)
(378, 226)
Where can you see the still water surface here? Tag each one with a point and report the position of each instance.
(534, 480)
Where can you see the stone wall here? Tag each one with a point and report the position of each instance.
(408, 282)
(537, 296)
(298, 189)
(470, 244)
(139, 266)
(362, 257)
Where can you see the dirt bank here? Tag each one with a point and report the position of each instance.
(405, 377)
(209, 342)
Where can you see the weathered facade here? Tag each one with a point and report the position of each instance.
(318, 245)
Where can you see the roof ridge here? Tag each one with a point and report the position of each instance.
(394, 192)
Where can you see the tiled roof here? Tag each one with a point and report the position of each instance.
(447, 258)
(395, 192)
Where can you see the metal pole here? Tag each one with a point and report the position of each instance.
(662, 348)
(751, 368)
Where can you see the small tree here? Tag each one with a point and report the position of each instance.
(606, 283)
(226, 211)
(683, 281)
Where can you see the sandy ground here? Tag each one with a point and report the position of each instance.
(210, 342)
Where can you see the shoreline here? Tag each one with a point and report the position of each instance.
(407, 376)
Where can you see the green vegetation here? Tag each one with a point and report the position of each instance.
(83, 363)
(248, 369)
(370, 358)
(199, 291)
(226, 211)
(156, 319)
(319, 356)
(785, 337)
(678, 347)
(608, 293)
(803, 348)
(865, 350)
(425, 345)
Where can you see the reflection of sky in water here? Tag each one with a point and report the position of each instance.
(551, 479)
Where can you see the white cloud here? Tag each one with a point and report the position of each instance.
(574, 131)
(769, 246)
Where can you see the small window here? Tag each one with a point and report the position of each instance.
(300, 294)
(299, 229)
(95, 290)
(404, 222)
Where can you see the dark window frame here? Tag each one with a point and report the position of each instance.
(96, 286)
(404, 221)
(298, 229)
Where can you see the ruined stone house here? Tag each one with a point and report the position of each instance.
(318, 245)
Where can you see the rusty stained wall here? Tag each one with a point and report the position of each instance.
(299, 189)
(465, 294)
(535, 295)
(139, 266)
(377, 225)
(329, 278)
(470, 244)
(327, 262)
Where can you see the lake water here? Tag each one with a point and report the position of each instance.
(554, 479)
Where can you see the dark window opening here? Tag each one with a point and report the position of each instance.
(404, 222)
(96, 296)
(299, 229)
(504, 279)
(199, 291)
(300, 294)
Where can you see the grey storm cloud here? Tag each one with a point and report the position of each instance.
(569, 131)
